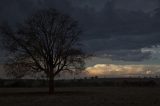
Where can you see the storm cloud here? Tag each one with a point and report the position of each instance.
(116, 29)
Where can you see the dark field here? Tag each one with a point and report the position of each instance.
(81, 96)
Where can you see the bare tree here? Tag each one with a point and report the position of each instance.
(47, 42)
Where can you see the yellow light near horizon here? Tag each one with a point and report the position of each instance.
(111, 69)
(96, 70)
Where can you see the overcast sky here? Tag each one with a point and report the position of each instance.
(116, 31)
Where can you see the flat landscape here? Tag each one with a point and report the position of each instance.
(81, 96)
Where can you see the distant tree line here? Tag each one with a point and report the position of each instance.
(99, 82)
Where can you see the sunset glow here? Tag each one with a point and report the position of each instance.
(122, 70)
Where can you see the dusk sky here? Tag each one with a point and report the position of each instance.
(122, 33)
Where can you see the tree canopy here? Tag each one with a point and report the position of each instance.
(48, 41)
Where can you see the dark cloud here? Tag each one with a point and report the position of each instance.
(17, 10)
(129, 55)
(119, 28)
(146, 5)
(123, 30)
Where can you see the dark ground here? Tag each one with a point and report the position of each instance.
(81, 96)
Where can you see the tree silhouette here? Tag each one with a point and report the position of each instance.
(47, 42)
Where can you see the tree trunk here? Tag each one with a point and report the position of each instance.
(51, 84)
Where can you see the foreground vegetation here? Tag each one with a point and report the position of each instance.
(81, 96)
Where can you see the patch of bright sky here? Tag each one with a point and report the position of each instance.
(154, 60)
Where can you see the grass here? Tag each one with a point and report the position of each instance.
(81, 96)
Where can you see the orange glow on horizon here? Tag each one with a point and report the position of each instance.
(116, 70)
